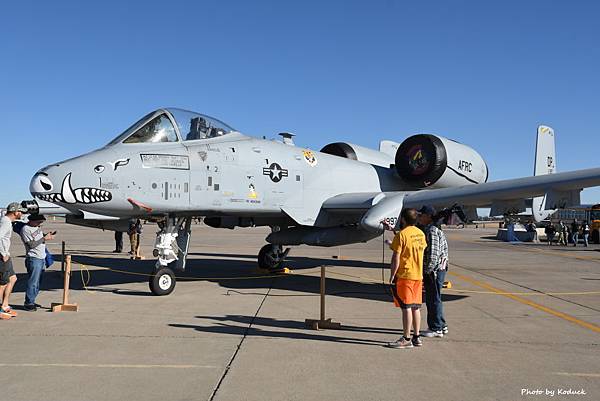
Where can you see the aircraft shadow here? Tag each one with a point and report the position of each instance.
(300, 262)
(103, 273)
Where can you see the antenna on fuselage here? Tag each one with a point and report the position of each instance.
(288, 138)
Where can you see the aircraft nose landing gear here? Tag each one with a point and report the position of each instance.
(270, 257)
(162, 282)
(171, 248)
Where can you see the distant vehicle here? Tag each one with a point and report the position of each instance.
(589, 213)
(174, 165)
(595, 223)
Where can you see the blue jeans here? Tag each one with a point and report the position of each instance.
(433, 299)
(575, 239)
(35, 269)
(586, 238)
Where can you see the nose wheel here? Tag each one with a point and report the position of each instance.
(162, 281)
(270, 257)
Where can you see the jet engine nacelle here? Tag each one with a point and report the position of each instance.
(359, 153)
(433, 161)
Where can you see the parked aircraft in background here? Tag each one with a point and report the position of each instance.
(173, 165)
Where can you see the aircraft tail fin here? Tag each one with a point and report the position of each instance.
(545, 163)
(545, 151)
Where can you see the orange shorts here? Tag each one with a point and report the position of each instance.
(408, 294)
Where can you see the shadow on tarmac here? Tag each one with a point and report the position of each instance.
(266, 327)
(221, 271)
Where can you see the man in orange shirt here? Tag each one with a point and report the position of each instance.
(406, 277)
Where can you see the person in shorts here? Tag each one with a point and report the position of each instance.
(8, 278)
(406, 277)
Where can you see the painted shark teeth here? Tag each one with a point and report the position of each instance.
(85, 195)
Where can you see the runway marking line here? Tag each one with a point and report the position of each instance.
(524, 301)
(577, 374)
(110, 365)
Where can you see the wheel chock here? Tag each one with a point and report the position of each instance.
(284, 270)
(447, 284)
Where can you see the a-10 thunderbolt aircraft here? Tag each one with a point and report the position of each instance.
(173, 165)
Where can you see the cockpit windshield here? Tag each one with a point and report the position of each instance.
(158, 127)
(194, 126)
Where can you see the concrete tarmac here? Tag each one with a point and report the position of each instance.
(524, 323)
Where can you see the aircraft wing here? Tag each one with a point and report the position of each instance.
(559, 187)
(561, 190)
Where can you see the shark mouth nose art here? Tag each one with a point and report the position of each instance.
(84, 195)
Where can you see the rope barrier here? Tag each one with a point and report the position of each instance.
(364, 280)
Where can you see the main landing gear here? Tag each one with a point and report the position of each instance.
(171, 248)
(270, 257)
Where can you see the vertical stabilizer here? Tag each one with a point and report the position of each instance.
(545, 163)
(545, 152)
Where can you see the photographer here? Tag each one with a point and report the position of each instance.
(35, 260)
(435, 265)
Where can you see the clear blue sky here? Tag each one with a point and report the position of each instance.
(73, 74)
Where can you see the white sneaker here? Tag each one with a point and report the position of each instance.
(445, 329)
(400, 343)
(432, 333)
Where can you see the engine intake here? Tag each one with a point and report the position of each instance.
(433, 161)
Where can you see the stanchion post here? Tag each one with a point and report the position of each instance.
(62, 259)
(322, 293)
(322, 323)
(66, 306)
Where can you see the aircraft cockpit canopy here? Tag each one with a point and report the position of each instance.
(194, 126)
(159, 126)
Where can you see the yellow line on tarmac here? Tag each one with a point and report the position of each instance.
(526, 294)
(524, 301)
(577, 374)
(87, 365)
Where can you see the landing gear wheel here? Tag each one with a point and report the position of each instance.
(162, 281)
(270, 257)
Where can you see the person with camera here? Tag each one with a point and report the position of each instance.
(8, 278)
(35, 257)
(435, 265)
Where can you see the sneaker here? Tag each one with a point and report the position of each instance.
(30, 307)
(445, 329)
(400, 343)
(432, 333)
(9, 311)
(416, 341)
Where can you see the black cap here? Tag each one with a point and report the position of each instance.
(427, 209)
(36, 217)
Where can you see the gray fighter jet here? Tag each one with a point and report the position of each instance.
(173, 165)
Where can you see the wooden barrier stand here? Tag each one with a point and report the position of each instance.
(66, 306)
(322, 323)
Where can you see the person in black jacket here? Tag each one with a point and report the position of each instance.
(550, 231)
(575, 232)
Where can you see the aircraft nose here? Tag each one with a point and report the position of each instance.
(55, 185)
(40, 183)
